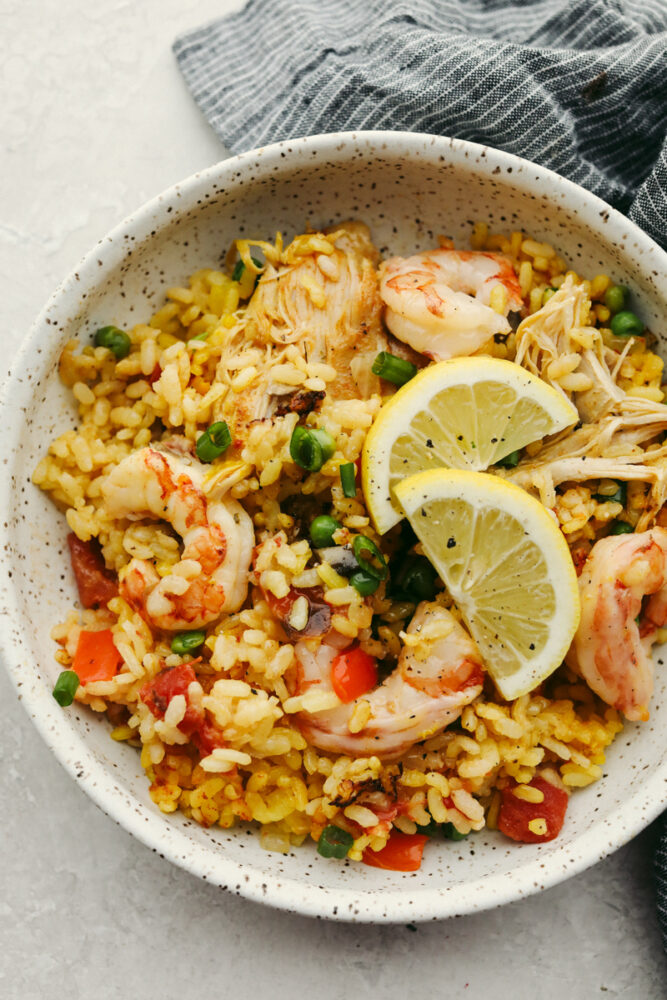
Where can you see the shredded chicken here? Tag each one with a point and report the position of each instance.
(556, 333)
(321, 295)
(556, 344)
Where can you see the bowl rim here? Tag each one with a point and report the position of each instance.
(147, 824)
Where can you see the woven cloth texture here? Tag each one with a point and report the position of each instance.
(578, 86)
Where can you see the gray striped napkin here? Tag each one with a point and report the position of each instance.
(577, 85)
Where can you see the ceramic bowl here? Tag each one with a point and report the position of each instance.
(409, 188)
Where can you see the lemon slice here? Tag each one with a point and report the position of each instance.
(506, 565)
(466, 413)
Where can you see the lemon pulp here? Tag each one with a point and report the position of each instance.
(465, 413)
(506, 565)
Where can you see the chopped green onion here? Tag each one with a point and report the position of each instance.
(364, 583)
(311, 447)
(451, 833)
(621, 528)
(376, 565)
(239, 268)
(334, 842)
(415, 580)
(348, 475)
(187, 642)
(393, 369)
(66, 687)
(626, 324)
(547, 293)
(115, 340)
(615, 298)
(322, 530)
(620, 496)
(213, 442)
(509, 461)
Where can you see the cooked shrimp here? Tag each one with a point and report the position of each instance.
(433, 680)
(612, 646)
(218, 538)
(438, 302)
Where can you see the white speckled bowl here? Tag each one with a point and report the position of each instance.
(409, 188)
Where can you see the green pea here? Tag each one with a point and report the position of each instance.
(322, 530)
(546, 294)
(364, 583)
(626, 324)
(187, 642)
(421, 580)
(415, 580)
(621, 528)
(115, 340)
(615, 298)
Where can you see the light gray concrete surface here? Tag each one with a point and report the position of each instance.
(95, 119)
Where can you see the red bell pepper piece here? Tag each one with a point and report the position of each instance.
(166, 685)
(96, 657)
(402, 853)
(353, 673)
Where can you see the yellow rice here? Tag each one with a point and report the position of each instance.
(267, 772)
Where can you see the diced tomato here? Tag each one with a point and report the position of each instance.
(96, 584)
(402, 853)
(353, 673)
(96, 657)
(281, 606)
(515, 814)
(166, 685)
(207, 738)
(155, 374)
(169, 682)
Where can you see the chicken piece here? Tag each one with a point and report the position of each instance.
(545, 339)
(328, 305)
